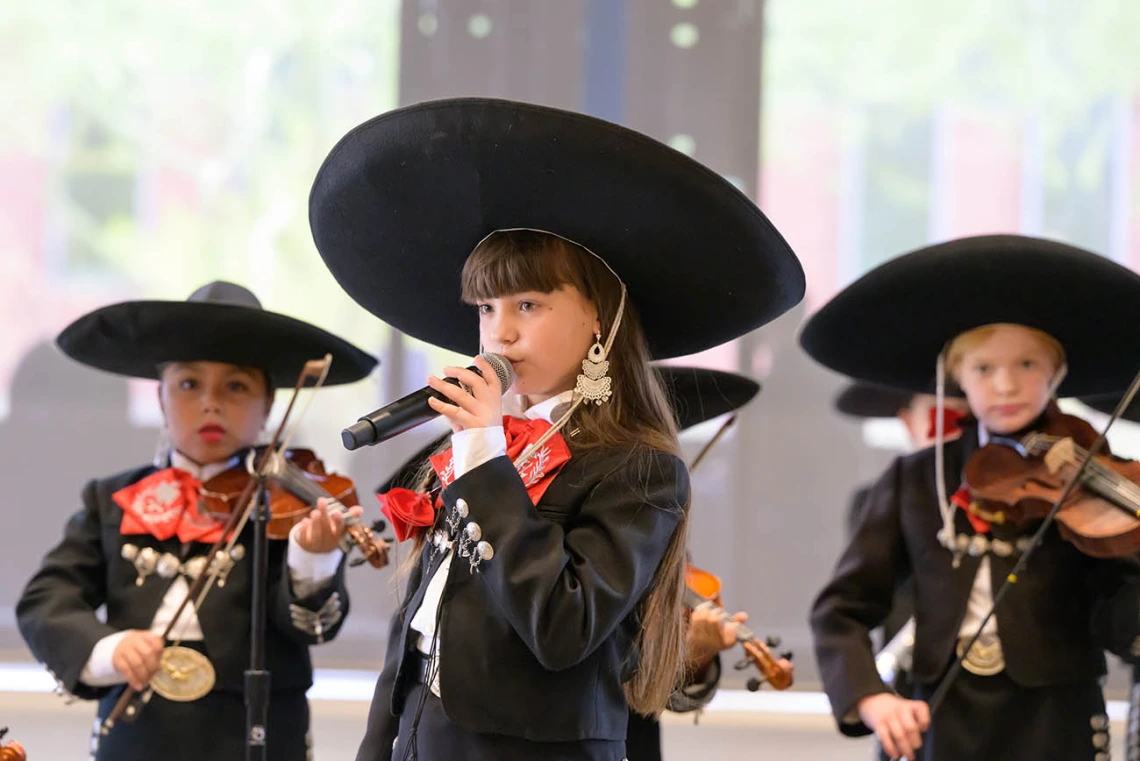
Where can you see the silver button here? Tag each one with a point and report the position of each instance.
(168, 565)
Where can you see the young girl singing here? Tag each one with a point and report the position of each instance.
(545, 598)
(696, 395)
(1010, 319)
(141, 538)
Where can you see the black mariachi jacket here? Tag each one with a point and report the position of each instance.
(1065, 610)
(537, 641)
(56, 612)
(903, 606)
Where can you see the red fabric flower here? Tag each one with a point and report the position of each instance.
(406, 510)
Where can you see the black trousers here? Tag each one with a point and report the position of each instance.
(436, 738)
(642, 738)
(212, 727)
(992, 718)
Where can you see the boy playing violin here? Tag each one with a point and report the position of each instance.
(1006, 317)
(141, 538)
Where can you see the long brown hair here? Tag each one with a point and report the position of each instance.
(638, 417)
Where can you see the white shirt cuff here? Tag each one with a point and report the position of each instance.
(309, 571)
(99, 671)
(472, 447)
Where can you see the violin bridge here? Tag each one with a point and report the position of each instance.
(1061, 454)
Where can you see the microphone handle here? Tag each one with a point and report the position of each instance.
(402, 415)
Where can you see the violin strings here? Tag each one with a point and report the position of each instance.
(1111, 484)
(1112, 481)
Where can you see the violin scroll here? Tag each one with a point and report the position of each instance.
(11, 750)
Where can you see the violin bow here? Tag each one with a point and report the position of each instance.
(1125, 402)
(711, 442)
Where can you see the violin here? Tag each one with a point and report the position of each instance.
(11, 750)
(295, 481)
(703, 588)
(1018, 480)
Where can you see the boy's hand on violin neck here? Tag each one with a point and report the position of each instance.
(479, 405)
(322, 531)
(137, 657)
(898, 723)
(708, 634)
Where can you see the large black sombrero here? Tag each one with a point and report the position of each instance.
(404, 198)
(220, 322)
(889, 326)
(698, 394)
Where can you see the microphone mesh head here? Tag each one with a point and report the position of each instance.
(502, 369)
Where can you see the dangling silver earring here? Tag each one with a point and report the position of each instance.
(594, 385)
(162, 448)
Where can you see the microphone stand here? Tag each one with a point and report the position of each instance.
(257, 678)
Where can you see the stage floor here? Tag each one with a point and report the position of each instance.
(738, 726)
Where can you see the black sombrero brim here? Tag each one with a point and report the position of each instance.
(698, 394)
(889, 326)
(134, 337)
(403, 199)
(865, 400)
(1106, 403)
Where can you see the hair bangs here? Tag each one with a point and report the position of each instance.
(517, 262)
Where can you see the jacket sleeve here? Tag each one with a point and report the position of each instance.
(566, 588)
(1115, 586)
(858, 599)
(56, 612)
(694, 695)
(313, 618)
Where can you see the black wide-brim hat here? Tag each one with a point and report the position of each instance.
(699, 394)
(220, 322)
(866, 400)
(889, 326)
(403, 199)
(1106, 403)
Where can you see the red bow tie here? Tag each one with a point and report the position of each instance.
(165, 504)
(408, 511)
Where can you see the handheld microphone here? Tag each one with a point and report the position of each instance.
(412, 410)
